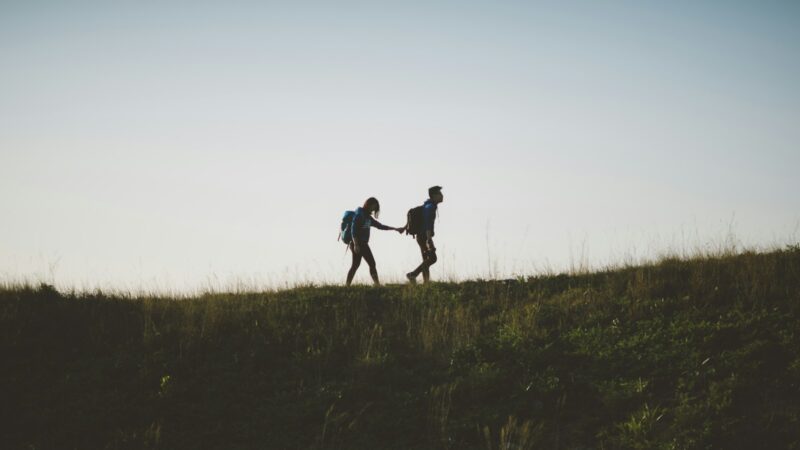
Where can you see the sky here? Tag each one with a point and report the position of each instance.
(184, 146)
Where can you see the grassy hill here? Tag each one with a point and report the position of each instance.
(701, 353)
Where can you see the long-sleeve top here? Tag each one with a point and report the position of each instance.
(362, 223)
(428, 215)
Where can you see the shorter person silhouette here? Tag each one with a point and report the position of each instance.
(364, 219)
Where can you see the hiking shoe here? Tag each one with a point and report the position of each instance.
(411, 278)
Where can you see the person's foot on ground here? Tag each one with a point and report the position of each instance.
(411, 278)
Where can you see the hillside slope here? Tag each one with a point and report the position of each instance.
(702, 353)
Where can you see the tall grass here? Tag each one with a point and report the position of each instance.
(675, 353)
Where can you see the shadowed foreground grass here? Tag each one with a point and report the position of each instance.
(679, 354)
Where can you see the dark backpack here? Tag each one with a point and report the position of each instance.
(345, 235)
(415, 223)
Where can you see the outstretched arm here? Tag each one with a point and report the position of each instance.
(381, 226)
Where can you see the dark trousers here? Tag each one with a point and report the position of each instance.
(364, 252)
(428, 259)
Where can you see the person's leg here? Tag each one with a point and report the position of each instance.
(373, 269)
(424, 267)
(430, 259)
(421, 268)
(353, 266)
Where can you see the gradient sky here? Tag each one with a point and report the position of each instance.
(192, 145)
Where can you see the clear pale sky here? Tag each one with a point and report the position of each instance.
(186, 145)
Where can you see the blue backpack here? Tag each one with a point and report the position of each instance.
(345, 235)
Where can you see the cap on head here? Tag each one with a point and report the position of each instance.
(434, 190)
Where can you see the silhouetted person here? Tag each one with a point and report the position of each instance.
(362, 222)
(425, 234)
